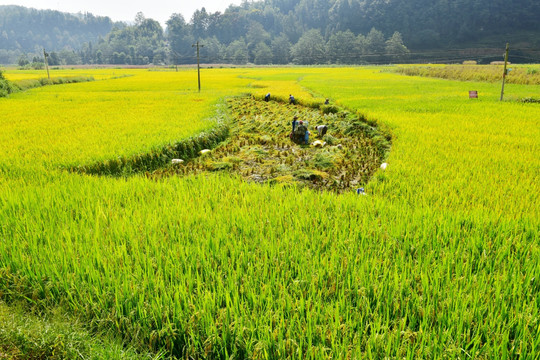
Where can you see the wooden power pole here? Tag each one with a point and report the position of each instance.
(176, 58)
(198, 63)
(45, 56)
(505, 71)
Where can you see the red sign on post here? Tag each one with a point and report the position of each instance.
(473, 94)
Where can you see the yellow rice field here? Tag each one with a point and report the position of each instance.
(439, 260)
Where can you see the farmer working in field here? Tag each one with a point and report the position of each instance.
(294, 122)
(321, 130)
(301, 134)
(267, 97)
(291, 99)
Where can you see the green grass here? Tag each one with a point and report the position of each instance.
(55, 336)
(439, 260)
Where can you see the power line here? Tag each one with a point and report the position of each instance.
(351, 57)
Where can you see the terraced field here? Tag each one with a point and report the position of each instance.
(439, 260)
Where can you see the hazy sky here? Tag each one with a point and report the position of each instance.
(159, 10)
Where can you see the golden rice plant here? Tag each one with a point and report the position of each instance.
(438, 260)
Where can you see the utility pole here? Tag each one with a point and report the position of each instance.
(175, 59)
(45, 56)
(505, 71)
(198, 63)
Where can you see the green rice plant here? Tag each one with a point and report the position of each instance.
(185, 149)
(437, 260)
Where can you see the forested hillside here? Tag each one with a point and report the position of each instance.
(423, 23)
(24, 30)
(436, 23)
(285, 31)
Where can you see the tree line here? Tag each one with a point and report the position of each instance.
(248, 41)
(285, 31)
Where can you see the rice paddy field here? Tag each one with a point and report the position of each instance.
(438, 260)
(516, 73)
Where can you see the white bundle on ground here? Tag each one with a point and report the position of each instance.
(177, 161)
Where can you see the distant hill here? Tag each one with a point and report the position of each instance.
(29, 30)
(285, 31)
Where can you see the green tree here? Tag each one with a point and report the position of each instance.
(310, 49)
(281, 49)
(180, 40)
(211, 52)
(99, 57)
(54, 59)
(342, 48)
(314, 13)
(150, 28)
(69, 57)
(361, 44)
(263, 54)
(292, 27)
(375, 42)
(6, 87)
(237, 52)
(395, 47)
(340, 14)
(199, 24)
(139, 18)
(23, 60)
(255, 35)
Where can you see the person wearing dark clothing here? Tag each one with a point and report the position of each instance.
(301, 134)
(327, 102)
(267, 97)
(294, 122)
(291, 100)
